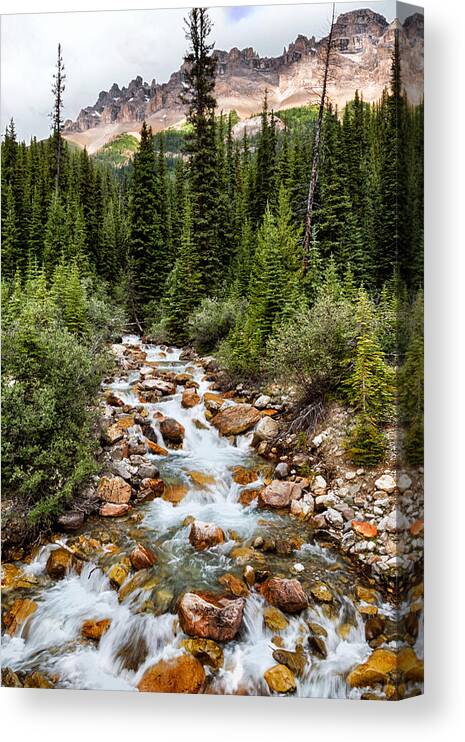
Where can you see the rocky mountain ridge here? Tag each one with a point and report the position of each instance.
(363, 42)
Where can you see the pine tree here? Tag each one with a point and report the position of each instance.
(58, 89)
(184, 288)
(198, 95)
(10, 236)
(146, 249)
(56, 240)
(369, 388)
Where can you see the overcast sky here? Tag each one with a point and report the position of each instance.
(100, 48)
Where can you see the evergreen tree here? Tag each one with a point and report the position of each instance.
(146, 249)
(56, 238)
(199, 81)
(10, 236)
(184, 288)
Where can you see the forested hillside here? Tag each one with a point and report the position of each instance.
(206, 248)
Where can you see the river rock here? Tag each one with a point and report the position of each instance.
(172, 431)
(317, 646)
(213, 618)
(295, 661)
(236, 419)
(59, 563)
(266, 430)
(158, 385)
(288, 595)
(386, 483)
(114, 490)
(142, 557)
(319, 485)
(71, 521)
(190, 398)
(114, 401)
(410, 665)
(282, 470)
(279, 494)
(203, 535)
(280, 679)
(274, 619)
(321, 592)
(37, 680)
(156, 449)
(183, 674)
(95, 629)
(241, 475)
(235, 586)
(113, 434)
(18, 613)
(362, 528)
(150, 488)
(334, 518)
(206, 651)
(374, 627)
(112, 510)
(375, 670)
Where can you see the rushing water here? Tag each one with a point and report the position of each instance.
(144, 626)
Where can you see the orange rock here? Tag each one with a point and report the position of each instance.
(241, 475)
(113, 510)
(114, 401)
(201, 479)
(203, 535)
(95, 629)
(410, 664)
(269, 412)
(142, 557)
(183, 674)
(175, 492)
(248, 496)
(150, 488)
(58, 563)
(235, 586)
(417, 527)
(114, 490)
(190, 398)
(236, 419)
(375, 670)
(210, 617)
(125, 422)
(18, 613)
(367, 530)
(288, 595)
(155, 448)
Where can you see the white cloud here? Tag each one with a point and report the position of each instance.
(100, 48)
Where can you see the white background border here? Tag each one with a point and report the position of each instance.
(70, 716)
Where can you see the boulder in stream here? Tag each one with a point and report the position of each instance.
(172, 431)
(236, 419)
(288, 595)
(216, 618)
(183, 674)
(59, 563)
(190, 398)
(280, 679)
(142, 557)
(203, 535)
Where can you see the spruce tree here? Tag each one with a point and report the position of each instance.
(146, 249)
(198, 95)
(184, 286)
(369, 387)
(56, 240)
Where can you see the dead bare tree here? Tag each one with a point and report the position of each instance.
(316, 149)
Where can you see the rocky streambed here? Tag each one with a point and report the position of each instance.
(206, 565)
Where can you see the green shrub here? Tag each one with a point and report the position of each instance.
(50, 380)
(212, 322)
(309, 348)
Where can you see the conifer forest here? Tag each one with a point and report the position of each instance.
(272, 278)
